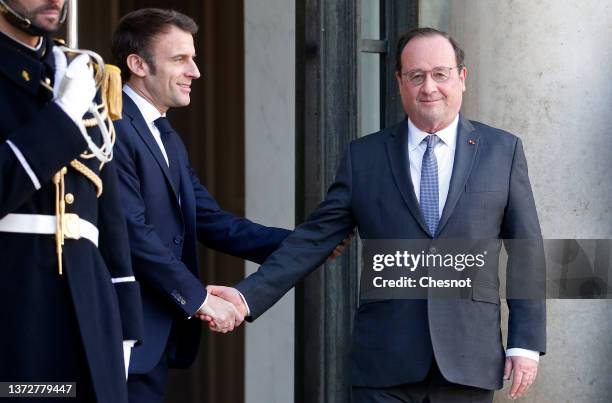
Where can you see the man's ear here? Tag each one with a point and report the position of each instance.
(137, 65)
(463, 76)
(398, 78)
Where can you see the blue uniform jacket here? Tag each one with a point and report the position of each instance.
(69, 327)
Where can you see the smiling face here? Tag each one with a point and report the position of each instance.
(431, 106)
(167, 83)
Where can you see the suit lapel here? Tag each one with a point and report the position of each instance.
(397, 150)
(131, 110)
(465, 152)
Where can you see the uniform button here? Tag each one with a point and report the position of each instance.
(178, 240)
(433, 250)
(47, 81)
(69, 198)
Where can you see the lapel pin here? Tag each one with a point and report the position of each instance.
(471, 141)
(25, 75)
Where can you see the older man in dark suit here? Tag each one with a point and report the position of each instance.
(434, 175)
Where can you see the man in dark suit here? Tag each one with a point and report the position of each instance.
(69, 304)
(167, 208)
(435, 175)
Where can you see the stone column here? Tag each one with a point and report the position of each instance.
(541, 70)
(269, 41)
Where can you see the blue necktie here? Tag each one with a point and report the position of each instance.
(429, 186)
(166, 133)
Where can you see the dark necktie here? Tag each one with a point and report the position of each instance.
(167, 134)
(429, 186)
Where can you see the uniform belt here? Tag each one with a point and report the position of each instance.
(74, 227)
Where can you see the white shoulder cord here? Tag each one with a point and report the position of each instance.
(104, 154)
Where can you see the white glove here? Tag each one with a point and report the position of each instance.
(74, 88)
(60, 69)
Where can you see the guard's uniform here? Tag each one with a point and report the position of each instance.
(56, 327)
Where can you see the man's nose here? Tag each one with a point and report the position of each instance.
(429, 85)
(193, 71)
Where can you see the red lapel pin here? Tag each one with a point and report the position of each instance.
(471, 141)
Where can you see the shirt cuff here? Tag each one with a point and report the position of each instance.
(245, 303)
(203, 303)
(127, 351)
(201, 306)
(522, 352)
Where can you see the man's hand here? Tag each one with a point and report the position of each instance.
(221, 315)
(523, 370)
(60, 70)
(341, 246)
(229, 294)
(74, 88)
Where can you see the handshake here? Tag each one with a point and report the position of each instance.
(224, 309)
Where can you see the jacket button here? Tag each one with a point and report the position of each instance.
(178, 240)
(69, 198)
(433, 250)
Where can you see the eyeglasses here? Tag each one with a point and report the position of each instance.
(439, 74)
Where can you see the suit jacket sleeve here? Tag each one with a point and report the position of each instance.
(114, 247)
(305, 249)
(525, 270)
(236, 236)
(154, 264)
(45, 144)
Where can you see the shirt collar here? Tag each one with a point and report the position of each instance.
(148, 111)
(448, 135)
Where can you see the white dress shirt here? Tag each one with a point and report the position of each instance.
(444, 151)
(150, 114)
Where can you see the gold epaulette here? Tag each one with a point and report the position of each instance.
(111, 89)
